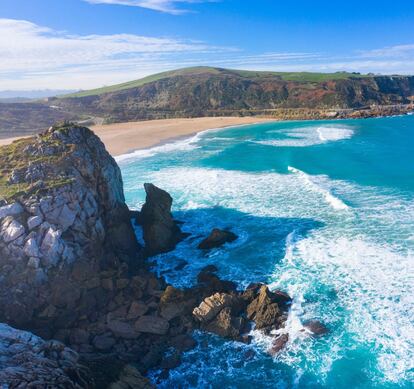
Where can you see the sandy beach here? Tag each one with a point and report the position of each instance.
(121, 138)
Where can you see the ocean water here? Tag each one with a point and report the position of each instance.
(323, 210)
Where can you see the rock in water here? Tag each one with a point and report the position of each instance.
(316, 328)
(28, 361)
(160, 231)
(278, 344)
(217, 238)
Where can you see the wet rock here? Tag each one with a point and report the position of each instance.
(183, 342)
(264, 310)
(226, 325)
(212, 305)
(316, 328)
(212, 283)
(217, 238)
(152, 325)
(278, 344)
(160, 232)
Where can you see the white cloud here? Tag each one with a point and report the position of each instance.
(38, 57)
(38, 54)
(399, 51)
(168, 6)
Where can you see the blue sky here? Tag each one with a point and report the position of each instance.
(89, 43)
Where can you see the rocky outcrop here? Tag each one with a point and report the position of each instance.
(216, 239)
(161, 233)
(64, 236)
(28, 361)
(229, 314)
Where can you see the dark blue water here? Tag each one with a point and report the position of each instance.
(325, 211)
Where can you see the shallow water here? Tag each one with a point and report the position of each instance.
(323, 210)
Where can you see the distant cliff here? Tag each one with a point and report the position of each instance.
(211, 91)
(205, 91)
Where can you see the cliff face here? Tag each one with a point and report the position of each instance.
(226, 92)
(66, 223)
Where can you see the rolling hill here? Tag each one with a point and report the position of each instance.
(208, 91)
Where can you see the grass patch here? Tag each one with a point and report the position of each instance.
(13, 157)
(199, 70)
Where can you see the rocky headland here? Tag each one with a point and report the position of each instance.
(73, 274)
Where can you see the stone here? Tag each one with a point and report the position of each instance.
(264, 310)
(10, 210)
(217, 238)
(130, 377)
(33, 263)
(211, 306)
(13, 231)
(226, 325)
(79, 336)
(278, 344)
(183, 342)
(31, 249)
(66, 218)
(29, 361)
(152, 325)
(34, 221)
(123, 330)
(136, 310)
(103, 342)
(316, 328)
(160, 232)
(175, 303)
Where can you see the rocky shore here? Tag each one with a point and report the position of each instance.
(74, 274)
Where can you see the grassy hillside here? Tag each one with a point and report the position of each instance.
(204, 70)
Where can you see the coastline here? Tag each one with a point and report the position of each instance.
(124, 138)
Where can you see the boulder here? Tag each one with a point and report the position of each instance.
(104, 342)
(123, 330)
(130, 377)
(278, 344)
(226, 325)
(264, 310)
(152, 325)
(316, 328)
(28, 361)
(217, 238)
(211, 306)
(176, 303)
(160, 232)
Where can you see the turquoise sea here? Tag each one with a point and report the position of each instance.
(323, 210)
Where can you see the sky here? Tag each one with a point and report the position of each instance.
(82, 44)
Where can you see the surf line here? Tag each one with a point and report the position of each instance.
(333, 201)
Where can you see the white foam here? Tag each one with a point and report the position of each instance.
(180, 145)
(309, 136)
(335, 202)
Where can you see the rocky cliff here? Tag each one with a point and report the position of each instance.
(71, 269)
(65, 226)
(214, 92)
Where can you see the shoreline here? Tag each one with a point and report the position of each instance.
(125, 138)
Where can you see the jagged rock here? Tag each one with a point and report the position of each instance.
(10, 210)
(152, 325)
(316, 328)
(264, 310)
(160, 232)
(63, 234)
(212, 305)
(131, 378)
(217, 238)
(28, 361)
(175, 303)
(226, 325)
(212, 283)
